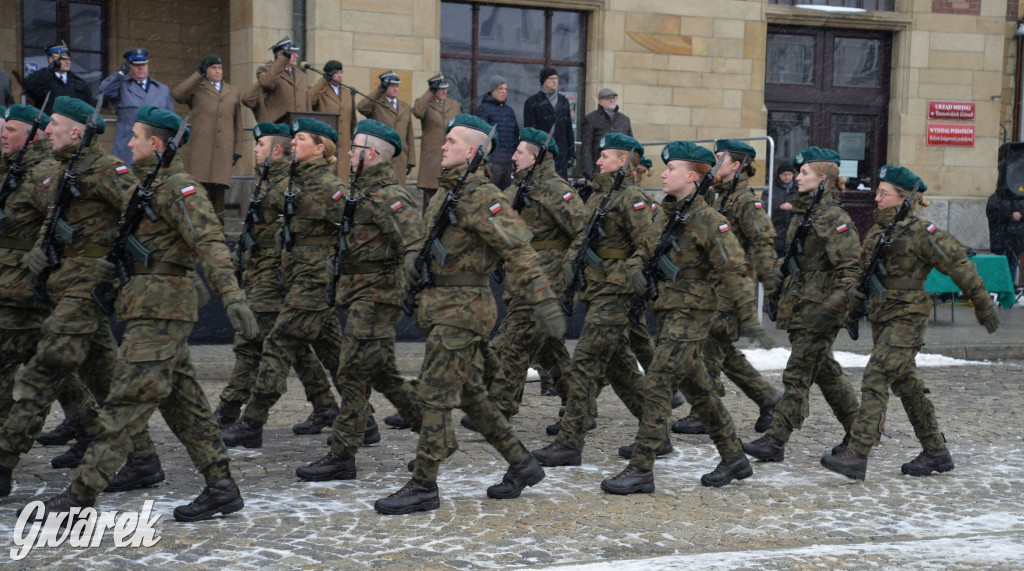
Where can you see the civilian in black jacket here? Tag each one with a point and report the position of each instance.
(547, 107)
(57, 79)
(495, 110)
(596, 124)
(1005, 211)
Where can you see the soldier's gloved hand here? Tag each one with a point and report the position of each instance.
(777, 277)
(990, 321)
(202, 69)
(106, 271)
(125, 68)
(202, 294)
(279, 242)
(550, 318)
(638, 281)
(756, 332)
(855, 296)
(55, 65)
(37, 260)
(242, 319)
(412, 273)
(234, 159)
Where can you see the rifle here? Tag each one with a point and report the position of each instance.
(522, 198)
(57, 228)
(870, 283)
(585, 255)
(247, 242)
(16, 172)
(433, 248)
(289, 205)
(658, 266)
(795, 248)
(127, 249)
(341, 248)
(732, 187)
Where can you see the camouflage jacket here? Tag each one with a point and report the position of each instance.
(262, 274)
(488, 230)
(26, 209)
(827, 267)
(918, 246)
(752, 224)
(186, 229)
(709, 254)
(629, 215)
(386, 224)
(555, 217)
(104, 181)
(314, 226)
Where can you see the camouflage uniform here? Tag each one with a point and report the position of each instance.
(753, 227)
(898, 324)
(304, 318)
(159, 306)
(459, 312)
(603, 354)
(263, 280)
(385, 224)
(555, 216)
(812, 309)
(712, 275)
(76, 335)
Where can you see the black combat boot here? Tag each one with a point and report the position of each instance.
(136, 473)
(74, 454)
(627, 451)
(849, 463)
(558, 454)
(467, 423)
(451, 450)
(221, 497)
(63, 502)
(525, 472)
(729, 469)
(415, 495)
(555, 428)
(764, 418)
(838, 448)
(689, 424)
(678, 399)
(61, 435)
(245, 432)
(929, 461)
(320, 418)
(396, 421)
(766, 449)
(371, 434)
(330, 467)
(632, 480)
(6, 477)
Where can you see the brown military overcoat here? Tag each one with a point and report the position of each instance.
(323, 99)
(216, 127)
(434, 119)
(400, 121)
(276, 92)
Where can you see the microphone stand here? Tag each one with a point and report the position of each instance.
(305, 65)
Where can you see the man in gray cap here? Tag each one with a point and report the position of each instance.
(130, 89)
(280, 85)
(605, 119)
(495, 110)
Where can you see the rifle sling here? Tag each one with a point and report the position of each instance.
(611, 253)
(15, 244)
(85, 251)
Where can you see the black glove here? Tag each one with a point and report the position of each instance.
(408, 169)
(382, 87)
(55, 64)
(125, 68)
(202, 70)
(234, 159)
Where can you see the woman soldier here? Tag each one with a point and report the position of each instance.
(813, 304)
(709, 253)
(898, 313)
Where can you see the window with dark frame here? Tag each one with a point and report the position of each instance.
(79, 23)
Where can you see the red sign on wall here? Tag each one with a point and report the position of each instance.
(950, 134)
(950, 109)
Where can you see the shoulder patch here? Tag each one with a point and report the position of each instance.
(47, 182)
(495, 208)
(122, 169)
(932, 228)
(567, 196)
(396, 206)
(723, 227)
(757, 204)
(842, 228)
(338, 195)
(188, 190)
(639, 205)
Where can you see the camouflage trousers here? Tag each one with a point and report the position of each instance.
(293, 331)
(248, 354)
(892, 366)
(453, 375)
(154, 370)
(678, 363)
(603, 356)
(75, 337)
(368, 359)
(810, 363)
(515, 345)
(722, 356)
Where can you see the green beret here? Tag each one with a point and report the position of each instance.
(77, 110)
(266, 129)
(815, 155)
(332, 66)
(160, 118)
(733, 146)
(381, 131)
(211, 60)
(646, 162)
(311, 125)
(901, 177)
(475, 123)
(620, 141)
(3, 110)
(26, 114)
(687, 151)
(537, 137)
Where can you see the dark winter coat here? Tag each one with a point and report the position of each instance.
(539, 114)
(597, 124)
(1004, 233)
(500, 114)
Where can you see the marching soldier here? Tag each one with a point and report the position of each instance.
(387, 108)
(898, 313)
(434, 110)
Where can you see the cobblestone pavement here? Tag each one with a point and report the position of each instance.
(789, 515)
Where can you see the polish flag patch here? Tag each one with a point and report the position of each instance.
(495, 208)
(654, 206)
(723, 227)
(397, 206)
(932, 228)
(758, 204)
(337, 196)
(842, 228)
(640, 205)
(121, 169)
(567, 196)
(188, 190)
(47, 182)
